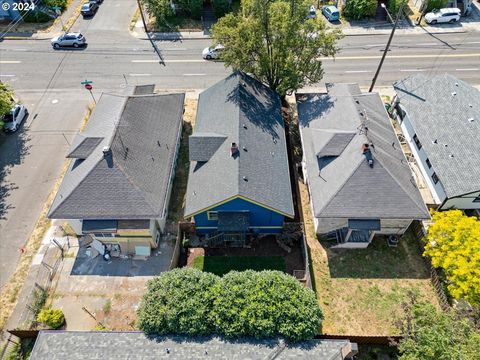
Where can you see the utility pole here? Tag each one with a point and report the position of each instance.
(422, 14)
(400, 10)
(148, 34)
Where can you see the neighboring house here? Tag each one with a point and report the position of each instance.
(358, 178)
(440, 119)
(239, 178)
(118, 185)
(76, 345)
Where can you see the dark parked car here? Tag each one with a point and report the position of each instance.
(89, 9)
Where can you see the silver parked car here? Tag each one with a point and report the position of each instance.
(13, 120)
(69, 39)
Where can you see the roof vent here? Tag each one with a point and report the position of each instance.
(471, 119)
(435, 141)
(451, 156)
(106, 150)
(233, 149)
(470, 105)
(445, 145)
(245, 126)
(244, 148)
(454, 93)
(245, 178)
(456, 84)
(274, 140)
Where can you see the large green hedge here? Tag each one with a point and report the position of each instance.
(259, 304)
(360, 9)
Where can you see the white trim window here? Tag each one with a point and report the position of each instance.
(212, 215)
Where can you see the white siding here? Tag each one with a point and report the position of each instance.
(421, 156)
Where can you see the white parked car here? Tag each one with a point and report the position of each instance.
(69, 39)
(210, 53)
(446, 15)
(312, 12)
(13, 120)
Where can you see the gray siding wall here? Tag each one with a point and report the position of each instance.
(388, 226)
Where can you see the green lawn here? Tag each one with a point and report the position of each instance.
(220, 265)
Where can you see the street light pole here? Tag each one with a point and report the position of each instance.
(387, 47)
(388, 12)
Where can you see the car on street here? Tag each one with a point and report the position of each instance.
(68, 39)
(210, 53)
(89, 9)
(312, 12)
(13, 119)
(331, 13)
(446, 15)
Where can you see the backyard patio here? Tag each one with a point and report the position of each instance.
(263, 254)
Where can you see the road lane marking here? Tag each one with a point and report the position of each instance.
(469, 69)
(5, 75)
(9, 62)
(412, 70)
(194, 74)
(356, 71)
(428, 44)
(368, 57)
(139, 74)
(170, 61)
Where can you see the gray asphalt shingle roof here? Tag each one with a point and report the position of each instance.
(439, 108)
(91, 345)
(247, 113)
(345, 186)
(131, 182)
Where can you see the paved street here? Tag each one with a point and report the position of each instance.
(48, 82)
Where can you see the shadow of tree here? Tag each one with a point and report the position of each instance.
(14, 148)
(258, 104)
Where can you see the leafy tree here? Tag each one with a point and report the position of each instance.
(360, 9)
(161, 9)
(53, 318)
(430, 334)
(192, 8)
(265, 304)
(178, 301)
(53, 3)
(259, 304)
(272, 40)
(394, 6)
(6, 99)
(453, 244)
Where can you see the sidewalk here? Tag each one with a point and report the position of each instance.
(67, 18)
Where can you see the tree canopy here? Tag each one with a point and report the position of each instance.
(273, 41)
(258, 304)
(430, 334)
(453, 244)
(6, 100)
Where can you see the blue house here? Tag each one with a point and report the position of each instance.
(239, 179)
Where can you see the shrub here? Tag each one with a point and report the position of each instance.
(192, 8)
(221, 7)
(436, 4)
(161, 9)
(178, 301)
(53, 318)
(265, 304)
(360, 9)
(6, 99)
(36, 17)
(259, 304)
(62, 4)
(394, 6)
